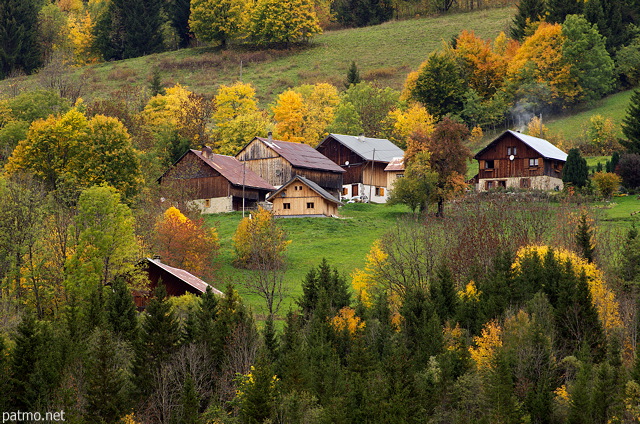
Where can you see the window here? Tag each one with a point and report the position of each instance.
(511, 151)
(286, 206)
(298, 187)
(345, 191)
(379, 191)
(533, 162)
(488, 164)
(310, 205)
(399, 175)
(207, 203)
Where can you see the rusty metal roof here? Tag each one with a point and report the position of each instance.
(185, 276)
(396, 164)
(311, 184)
(232, 169)
(301, 155)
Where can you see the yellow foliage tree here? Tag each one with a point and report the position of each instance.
(347, 321)
(283, 21)
(219, 20)
(406, 122)
(486, 346)
(535, 128)
(81, 36)
(603, 298)
(606, 183)
(303, 114)
(365, 282)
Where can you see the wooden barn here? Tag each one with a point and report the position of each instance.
(279, 161)
(302, 197)
(364, 160)
(177, 282)
(218, 182)
(520, 161)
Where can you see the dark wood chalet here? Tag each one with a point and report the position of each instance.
(364, 159)
(520, 161)
(177, 282)
(217, 183)
(279, 161)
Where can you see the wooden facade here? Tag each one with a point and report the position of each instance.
(212, 176)
(279, 161)
(516, 160)
(302, 197)
(350, 161)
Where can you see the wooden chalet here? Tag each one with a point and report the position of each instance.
(218, 182)
(364, 160)
(520, 161)
(279, 161)
(177, 282)
(303, 197)
(394, 170)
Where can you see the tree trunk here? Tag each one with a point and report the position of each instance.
(440, 212)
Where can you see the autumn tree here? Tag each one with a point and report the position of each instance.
(302, 114)
(106, 246)
(260, 245)
(409, 121)
(19, 37)
(187, 244)
(439, 85)
(290, 21)
(237, 118)
(482, 68)
(606, 183)
(219, 21)
(52, 30)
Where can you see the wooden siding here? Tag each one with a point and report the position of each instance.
(275, 170)
(339, 154)
(376, 176)
(503, 167)
(298, 195)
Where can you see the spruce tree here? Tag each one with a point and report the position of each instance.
(584, 238)
(443, 293)
(121, 311)
(557, 10)
(575, 171)
(19, 50)
(179, 11)
(529, 11)
(421, 328)
(630, 263)
(324, 284)
(631, 125)
(155, 85)
(258, 395)
(188, 411)
(353, 75)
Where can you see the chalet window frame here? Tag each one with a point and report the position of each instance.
(489, 164)
(533, 162)
(311, 205)
(379, 191)
(512, 150)
(286, 206)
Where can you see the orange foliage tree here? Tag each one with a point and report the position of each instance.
(185, 243)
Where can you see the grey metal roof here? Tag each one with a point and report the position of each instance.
(374, 149)
(315, 187)
(301, 155)
(185, 276)
(546, 149)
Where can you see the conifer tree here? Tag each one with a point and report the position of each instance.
(421, 328)
(584, 238)
(188, 411)
(19, 49)
(155, 85)
(121, 311)
(630, 264)
(443, 293)
(353, 75)
(575, 171)
(631, 125)
(258, 394)
(529, 11)
(324, 284)
(179, 15)
(557, 10)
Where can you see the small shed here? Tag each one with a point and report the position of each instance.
(364, 159)
(394, 170)
(520, 161)
(219, 183)
(177, 282)
(278, 161)
(303, 197)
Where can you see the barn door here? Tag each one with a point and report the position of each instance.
(354, 190)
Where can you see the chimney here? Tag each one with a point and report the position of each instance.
(157, 258)
(270, 136)
(361, 137)
(206, 152)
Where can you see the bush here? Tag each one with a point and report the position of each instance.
(629, 170)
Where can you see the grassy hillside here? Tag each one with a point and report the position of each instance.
(385, 53)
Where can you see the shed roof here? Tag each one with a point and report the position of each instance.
(234, 171)
(311, 184)
(185, 276)
(396, 164)
(301, 155)
(373, 149)
(543, 147)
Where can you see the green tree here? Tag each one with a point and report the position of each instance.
(121, 311)
(218, 21)
(628, 168)
(529, 11)
(369, 106)
(558, 10)
(439, 86)
(353, 77)
(417, 188)
(575, 171)
(584, 49)
(631, 125)
(19, 50)
(359, 13)
(324, 285)
(179, 11)
(107, 246)
(257, 393)
(584, 238)
(278, 21)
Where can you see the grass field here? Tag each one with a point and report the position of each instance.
(385, 53)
